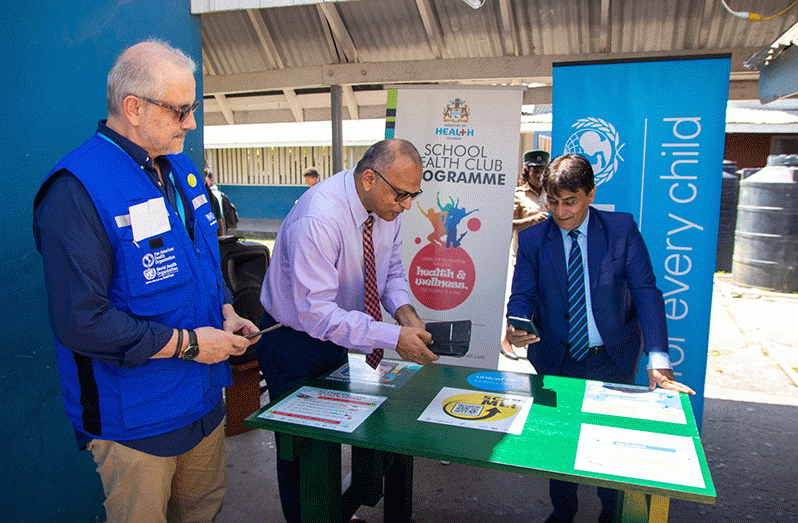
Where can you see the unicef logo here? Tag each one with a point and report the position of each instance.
(598, 141)
(148, 260)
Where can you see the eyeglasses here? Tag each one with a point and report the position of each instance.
(400, 195)
(182, 112)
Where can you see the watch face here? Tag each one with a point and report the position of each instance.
(190, 352)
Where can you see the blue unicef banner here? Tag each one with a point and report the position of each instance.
(654, 132)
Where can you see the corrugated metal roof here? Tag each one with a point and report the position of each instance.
(285, 50)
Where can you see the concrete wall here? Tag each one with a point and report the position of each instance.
(55, 61)
(263, 202)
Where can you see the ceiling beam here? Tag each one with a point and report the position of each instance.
(294, 105)
(228, 114)
(530, 68)
(342, 37)
(351, 102)
(273, 57)
(367, 102)
(267, 45)
(604, 32)
(220, 98)
(510, 31)
(433, 28)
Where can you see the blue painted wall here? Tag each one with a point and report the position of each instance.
(55, 61)
(263, 202)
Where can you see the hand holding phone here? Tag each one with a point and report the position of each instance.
(524, 324)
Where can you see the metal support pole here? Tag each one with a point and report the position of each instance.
(336, 111)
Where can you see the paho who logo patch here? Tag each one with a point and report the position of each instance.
(598, 141)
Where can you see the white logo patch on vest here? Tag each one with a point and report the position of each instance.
(160, 265)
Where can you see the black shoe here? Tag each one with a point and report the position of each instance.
(554, 519)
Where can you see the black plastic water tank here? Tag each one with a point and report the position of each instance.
(728, 217)
(766, 239)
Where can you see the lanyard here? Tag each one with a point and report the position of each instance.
(181, 211)
(179, 200)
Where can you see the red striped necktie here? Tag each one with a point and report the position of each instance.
(372, 297)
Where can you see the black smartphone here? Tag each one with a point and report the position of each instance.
(523, 324)
(450, 338)
(264, 331)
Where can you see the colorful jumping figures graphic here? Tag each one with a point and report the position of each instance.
(438, 222)
(453, 217)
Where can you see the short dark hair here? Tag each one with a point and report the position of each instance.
(569, 172)
(383, 153)
(311, 171)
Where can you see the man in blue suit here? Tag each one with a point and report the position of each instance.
(585, 279)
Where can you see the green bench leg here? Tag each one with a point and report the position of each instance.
(398, 488)
(320, 486)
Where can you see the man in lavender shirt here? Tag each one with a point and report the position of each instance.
(315, 282)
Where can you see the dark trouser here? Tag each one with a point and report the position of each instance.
(287, 358)
(563, 493)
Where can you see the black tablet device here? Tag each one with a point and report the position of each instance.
(450, 338)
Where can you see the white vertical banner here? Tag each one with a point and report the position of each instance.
(456, 237)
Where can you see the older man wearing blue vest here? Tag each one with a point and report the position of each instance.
(142, 318)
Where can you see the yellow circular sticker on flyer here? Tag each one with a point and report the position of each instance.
(479, 406)
(192, 180)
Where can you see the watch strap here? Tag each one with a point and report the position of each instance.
(191, 352)
(179, 345)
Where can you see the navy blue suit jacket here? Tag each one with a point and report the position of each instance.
(627, 306)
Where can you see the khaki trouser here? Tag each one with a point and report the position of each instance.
(139, 487)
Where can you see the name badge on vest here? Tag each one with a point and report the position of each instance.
(149, 219)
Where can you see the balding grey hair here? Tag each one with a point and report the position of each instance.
(135, 72)
(383, 153)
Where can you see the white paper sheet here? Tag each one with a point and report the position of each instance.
(637, 454)
(149, 219)
(632, 401)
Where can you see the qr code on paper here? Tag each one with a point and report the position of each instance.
(467, 409)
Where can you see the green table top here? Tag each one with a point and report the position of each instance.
(546, 446)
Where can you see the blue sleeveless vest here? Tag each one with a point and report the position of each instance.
(166, 278)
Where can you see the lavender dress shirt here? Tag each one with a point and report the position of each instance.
(314, 282)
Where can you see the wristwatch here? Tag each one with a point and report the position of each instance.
(190, 352)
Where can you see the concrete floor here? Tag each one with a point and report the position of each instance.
(749, 437)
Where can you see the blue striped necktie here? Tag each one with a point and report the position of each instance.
(578, 339)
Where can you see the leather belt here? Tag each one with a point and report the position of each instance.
(593, 351)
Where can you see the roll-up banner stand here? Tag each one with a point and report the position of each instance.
(654, 132)
(456, 237)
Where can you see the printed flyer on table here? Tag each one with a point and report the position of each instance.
(326, 409)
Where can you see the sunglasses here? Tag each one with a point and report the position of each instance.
(400, 195)
(182, 112)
